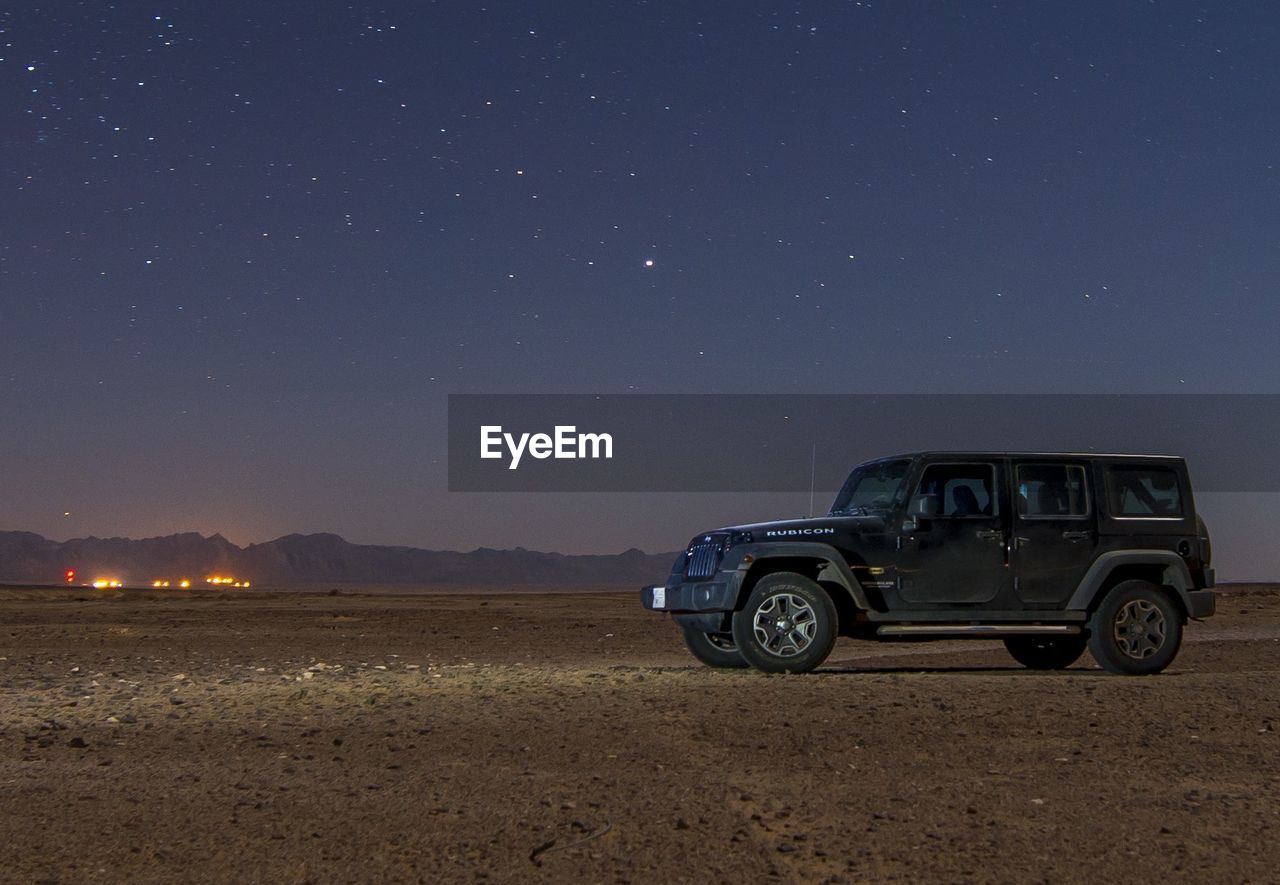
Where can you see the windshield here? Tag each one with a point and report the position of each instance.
(871, 489)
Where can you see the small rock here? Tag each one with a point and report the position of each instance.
(77, 742)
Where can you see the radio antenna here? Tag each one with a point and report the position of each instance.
(813, 464)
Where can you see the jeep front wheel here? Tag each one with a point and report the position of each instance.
(1137, 629)
(787, 626)
(713, 649)
(1045, 652)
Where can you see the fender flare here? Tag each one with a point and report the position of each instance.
(834, 568)
(1176, 574)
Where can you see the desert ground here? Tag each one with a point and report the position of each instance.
(249, 736)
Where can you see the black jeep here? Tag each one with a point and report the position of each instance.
(1050, 552)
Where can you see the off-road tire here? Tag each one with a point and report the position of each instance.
(713, 649)
(788, 625)
(1136, 630)
(1046, 652)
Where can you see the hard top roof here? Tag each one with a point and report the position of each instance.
(973, 453)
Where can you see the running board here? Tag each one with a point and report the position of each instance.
(974, 629)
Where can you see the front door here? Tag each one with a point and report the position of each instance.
(957, 552)
(1055, 530)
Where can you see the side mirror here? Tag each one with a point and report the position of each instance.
(920, 510)
(924, 507)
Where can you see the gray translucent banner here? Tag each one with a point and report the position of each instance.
(782, 443)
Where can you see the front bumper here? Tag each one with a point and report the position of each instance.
(720, 594)
(1201, 603)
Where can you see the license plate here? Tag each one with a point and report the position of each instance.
(659, 597)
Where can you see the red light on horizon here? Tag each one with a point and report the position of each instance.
(71, 575)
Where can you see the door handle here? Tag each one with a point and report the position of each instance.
(990, 534)
(1077, 536)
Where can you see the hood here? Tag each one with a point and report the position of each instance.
(803, 528)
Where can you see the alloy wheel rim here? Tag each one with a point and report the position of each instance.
(1140, 629)
(785, 625)
(722, 641)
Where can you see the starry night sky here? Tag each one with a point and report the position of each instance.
(247, 248)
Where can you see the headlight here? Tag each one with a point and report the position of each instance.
(677, 568)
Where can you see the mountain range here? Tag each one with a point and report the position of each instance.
(297, 560)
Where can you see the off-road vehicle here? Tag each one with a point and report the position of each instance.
(1052, 553)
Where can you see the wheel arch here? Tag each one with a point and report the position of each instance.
(821, 563)
(1163, 568)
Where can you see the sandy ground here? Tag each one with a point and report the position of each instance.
(315, 738)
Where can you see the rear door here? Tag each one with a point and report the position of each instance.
(1055, 529)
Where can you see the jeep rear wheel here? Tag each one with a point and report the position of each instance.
(713, 649)
(787, 626)
(1046, 652)
(1137, 629)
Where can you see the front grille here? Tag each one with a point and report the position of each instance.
(703, 558)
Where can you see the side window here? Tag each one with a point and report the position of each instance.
(961, 489)
(1144, 492)
(1052, 491)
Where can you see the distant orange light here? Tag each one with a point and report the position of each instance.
(184, 583)
(106, 583)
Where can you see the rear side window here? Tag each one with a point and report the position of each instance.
(1052, 491)
(1144, 493)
